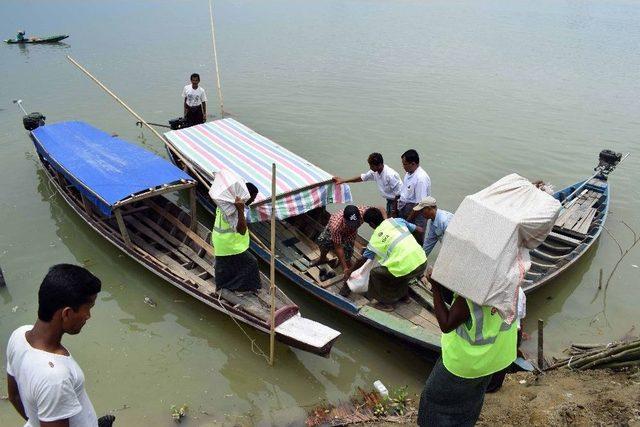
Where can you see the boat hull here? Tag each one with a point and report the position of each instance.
(43, 40)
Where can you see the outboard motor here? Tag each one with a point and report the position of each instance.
(33, 121)
(607, 162)
(178, 123)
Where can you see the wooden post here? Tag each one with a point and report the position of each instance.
(2, 282)
(123, 228)
(272, 267)
(193, 200)
(540, 344)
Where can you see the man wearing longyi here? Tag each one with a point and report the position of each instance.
(195, 102)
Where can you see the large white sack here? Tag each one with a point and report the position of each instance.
(224, 189)
(485, 251)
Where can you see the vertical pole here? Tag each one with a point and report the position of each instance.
(272, 269)
(2, 282)
(123, 228)
(194, 214)
(215, 60)
(540, 344)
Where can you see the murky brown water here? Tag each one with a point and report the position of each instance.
(481, 90)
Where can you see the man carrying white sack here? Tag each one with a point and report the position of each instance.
(236, 269)
(400, 256)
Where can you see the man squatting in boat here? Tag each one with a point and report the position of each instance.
(236, 269)
(195, 102)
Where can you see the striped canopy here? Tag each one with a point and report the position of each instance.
(228, 144)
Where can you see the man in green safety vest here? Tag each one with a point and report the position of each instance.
(475, 343)
(400, 256)
(235, 268)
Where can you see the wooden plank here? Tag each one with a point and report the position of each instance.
(178, 270)
(314, 273)
(156, 239)
(583, 227)
(332, 281)
(193, 200)
(177, 244)
(180, 225)
(123, 228)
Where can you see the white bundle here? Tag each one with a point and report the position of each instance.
(485, 251)
(225, 188)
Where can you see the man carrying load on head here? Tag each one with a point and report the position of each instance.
(235, 268)
(400, 256)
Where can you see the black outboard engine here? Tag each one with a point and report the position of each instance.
(178, 123)
(607, 162)
(33, 121)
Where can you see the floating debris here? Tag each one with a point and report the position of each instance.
(178, 413)
(150, 302)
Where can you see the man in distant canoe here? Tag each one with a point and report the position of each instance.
(416, 185)
(388, 180)
(339, 236)
(20, 36)
(195, 102)
(400, 256)
(235, 268)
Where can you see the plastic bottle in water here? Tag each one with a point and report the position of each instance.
(381, 388)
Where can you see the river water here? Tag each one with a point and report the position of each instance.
(481, 89)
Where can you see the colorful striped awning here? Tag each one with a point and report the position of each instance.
(228, 144)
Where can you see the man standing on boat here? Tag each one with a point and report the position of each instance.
(195, 102)
(401, 259)
(339, 236)
(45, 384)
(428, 209)
(235, 268)
(388, 180)
(416, 185)
(475, 343)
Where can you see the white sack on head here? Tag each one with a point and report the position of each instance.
(224, 189)
(485, 251)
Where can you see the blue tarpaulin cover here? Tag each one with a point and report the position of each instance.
(104, 168)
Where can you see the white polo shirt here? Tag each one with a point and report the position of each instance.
(389, 182)
(415, 187)
(194, 97)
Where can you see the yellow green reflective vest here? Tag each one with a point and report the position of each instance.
(225, 239)
(395, 248)
(481, 346)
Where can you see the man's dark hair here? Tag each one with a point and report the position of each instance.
(65, 285)
(252, 189)
(373, 216)
(411, 156)
(375, 159)
(195, 75)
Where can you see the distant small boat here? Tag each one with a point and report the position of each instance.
(49, 39)
(580, 223)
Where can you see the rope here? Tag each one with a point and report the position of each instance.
(215, 59)
(254, 346)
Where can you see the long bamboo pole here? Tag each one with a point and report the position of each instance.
(272, 267)
(215, 59)
(129, 109)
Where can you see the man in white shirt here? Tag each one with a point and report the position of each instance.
(195, 102)
(388, 180)
(416, 185)
(45, 384)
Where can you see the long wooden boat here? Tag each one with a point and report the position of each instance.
(38, 40)
(580, 223)
(120, 190)
(303, 192)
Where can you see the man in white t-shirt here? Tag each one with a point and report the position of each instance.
(388, 180)
(45, 384)
(195, 102)
(416, 186)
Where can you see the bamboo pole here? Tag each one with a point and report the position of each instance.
(129, 109)
(2, 282)
(215, 60)
(540, 344)
(272, 267)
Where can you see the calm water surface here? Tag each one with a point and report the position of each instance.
(481, 89)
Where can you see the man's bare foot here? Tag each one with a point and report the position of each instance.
(405, 299)
(384, 307)
(318, 261)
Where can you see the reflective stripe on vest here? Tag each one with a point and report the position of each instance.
(479, 338)
(395, 248)
(225, 239)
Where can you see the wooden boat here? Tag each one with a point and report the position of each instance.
(119, 190)
(580, 223)
(38, 40)
(303, 192)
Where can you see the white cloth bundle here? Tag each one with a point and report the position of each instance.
(485, 251)
(224, 189)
